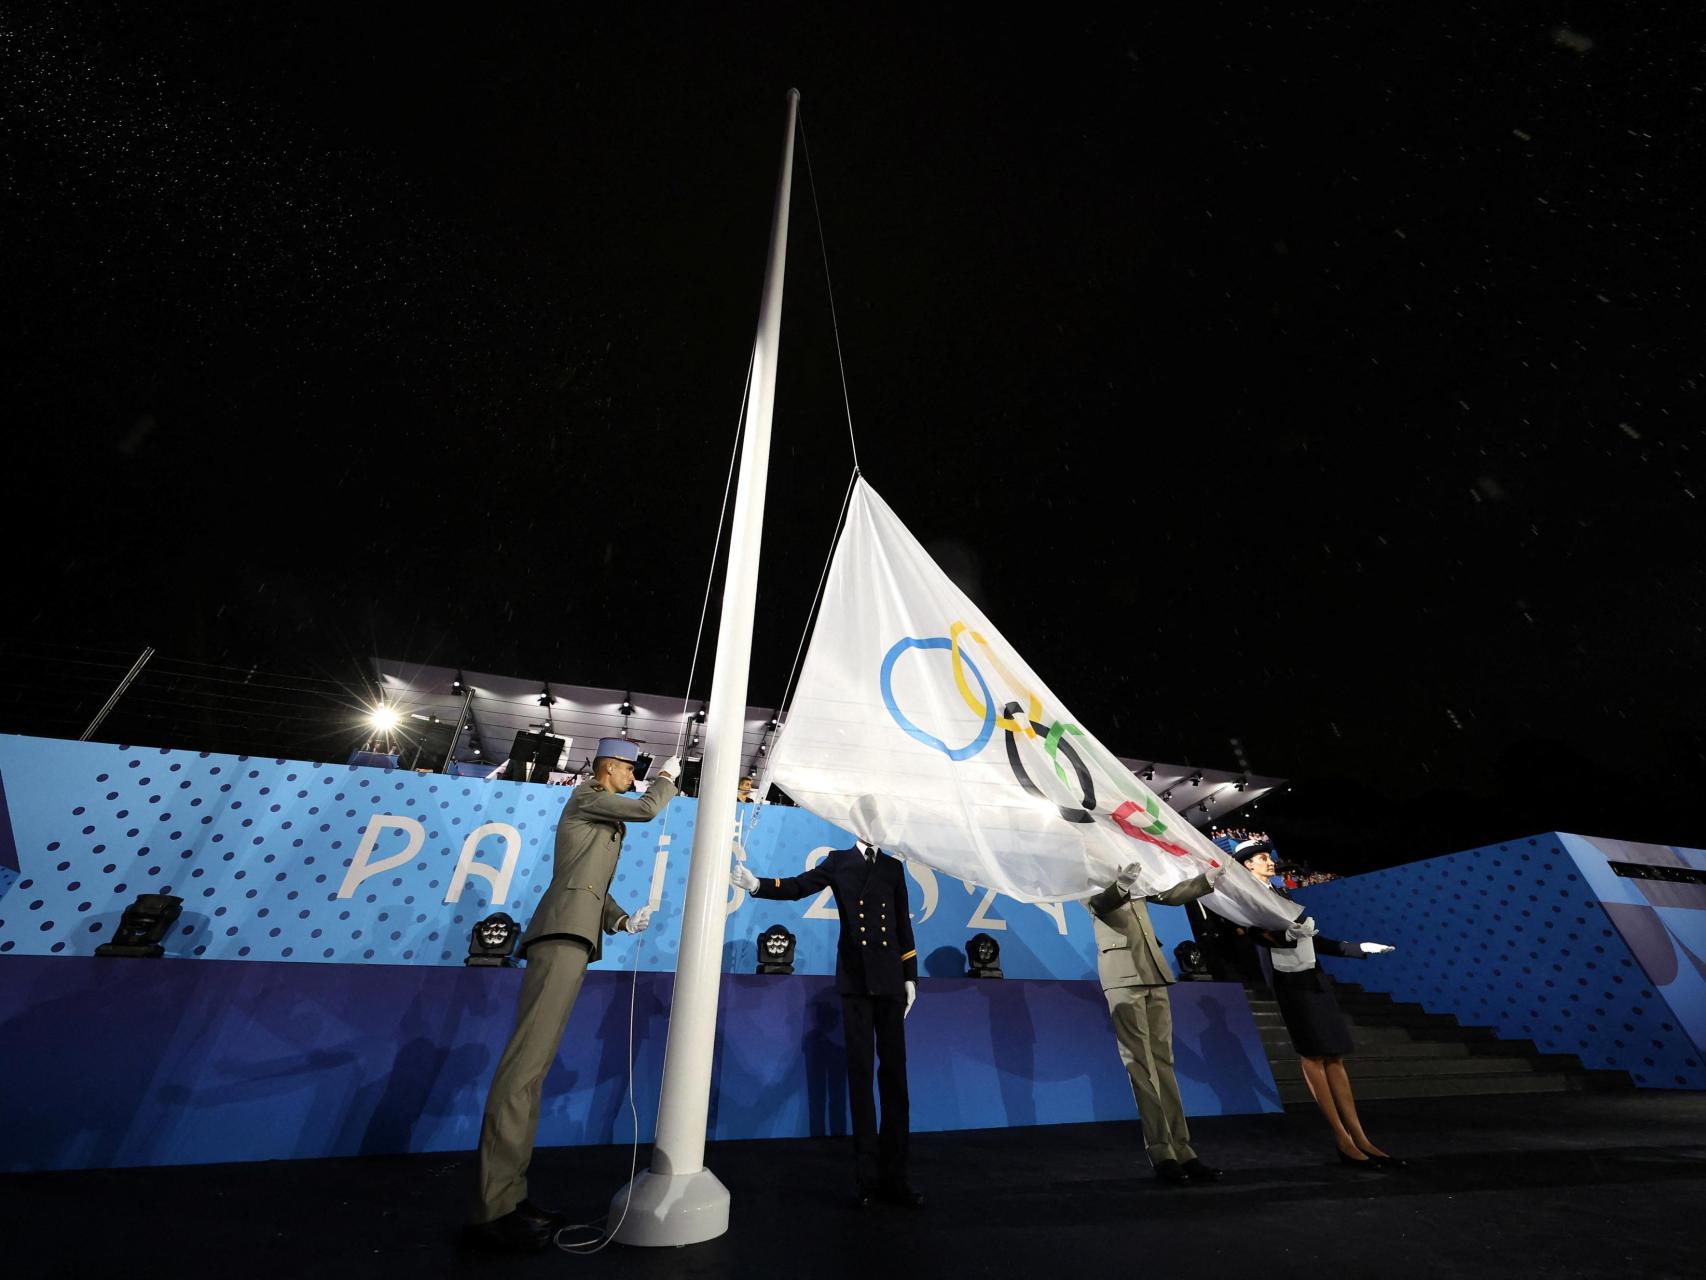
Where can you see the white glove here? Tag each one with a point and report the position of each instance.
(640, 921)
(1375, 948)
(1304, 928)
(1129, 877)
(670, 768)
(1213, 874)
(741, 878)
(911, 995)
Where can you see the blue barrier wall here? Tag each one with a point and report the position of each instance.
(176, 1062)
(1540, 939)
(285, 860)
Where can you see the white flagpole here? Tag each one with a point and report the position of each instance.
(679, 1201)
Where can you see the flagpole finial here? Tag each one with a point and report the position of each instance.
(793, 95)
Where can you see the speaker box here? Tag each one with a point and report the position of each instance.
(533, 756)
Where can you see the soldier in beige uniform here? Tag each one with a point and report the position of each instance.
(1135, 976)
(564, 936)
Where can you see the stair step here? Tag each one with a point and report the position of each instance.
(1445, 1086)
(1384, 1065)
(1370, 1066)
(1393, 1018)
(1414, 1048)
(1404, 1051)
(1448, 1033)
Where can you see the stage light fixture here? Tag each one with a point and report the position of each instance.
(383, 718)
(143, 926)
(983, 957)
(1203, 807)
(456, 685)
(1193, 965)
(1240, 784)
(546, 699)
(627, 707)
(1196, 779)
(776, 950)
(491, 942)
(1167, 795)
(699, 715)
(763, 750)
(1148, 775)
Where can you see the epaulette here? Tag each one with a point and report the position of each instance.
(598, 786)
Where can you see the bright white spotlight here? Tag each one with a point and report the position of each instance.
(383, 718)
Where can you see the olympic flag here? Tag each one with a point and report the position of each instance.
(917, 727)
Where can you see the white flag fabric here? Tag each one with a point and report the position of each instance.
(918, 728)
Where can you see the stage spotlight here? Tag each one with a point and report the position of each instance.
(1203, 807)
(627, 707)
(456, 685)
(983, 957)
(143, 926)
(383, 718)
(1167, 795)
(545, 698)
(776, 950)
(1240, 784)
(1196, 779)
(763, 750)
(491, 942)
(1148, 775)
(1193, 965)
(699, 716)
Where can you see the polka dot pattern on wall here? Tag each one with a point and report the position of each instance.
(1513, 937)
(259, 851)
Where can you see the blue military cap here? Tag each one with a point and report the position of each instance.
(617, 749)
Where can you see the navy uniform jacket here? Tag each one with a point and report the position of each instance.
(875, 955)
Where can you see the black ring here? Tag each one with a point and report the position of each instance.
(1085, 783)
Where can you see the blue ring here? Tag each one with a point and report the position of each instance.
(886, 684)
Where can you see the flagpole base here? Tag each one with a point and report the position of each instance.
(671, 1209)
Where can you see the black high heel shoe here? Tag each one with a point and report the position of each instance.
(1367, 1162)
(1387, 1164)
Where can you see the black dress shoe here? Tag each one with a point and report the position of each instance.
(511, 1233)
(1201, 1172)
(1367, 1162)
(901, 1194)
(545, 1219)
(1174, 1172)
(1388, 1164)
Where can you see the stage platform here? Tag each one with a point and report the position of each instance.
(1573, 1185)
(209, 1061)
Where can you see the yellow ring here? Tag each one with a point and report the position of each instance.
(971, 699)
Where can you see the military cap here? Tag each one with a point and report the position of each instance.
(617, 749)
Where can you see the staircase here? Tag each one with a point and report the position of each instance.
(1405, 1052)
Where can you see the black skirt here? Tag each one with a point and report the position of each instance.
(1313, 1019)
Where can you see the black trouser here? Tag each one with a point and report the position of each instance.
(879, 1022)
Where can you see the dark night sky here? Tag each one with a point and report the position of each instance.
(1327, 378)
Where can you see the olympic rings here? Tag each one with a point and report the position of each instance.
(1009, 723)
(1122, 820)
(1013, 721)
(987, 711)
(1054, 741)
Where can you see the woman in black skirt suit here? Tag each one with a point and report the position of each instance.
(1314, 1020)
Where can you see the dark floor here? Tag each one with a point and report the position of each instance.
(1556, 1185)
